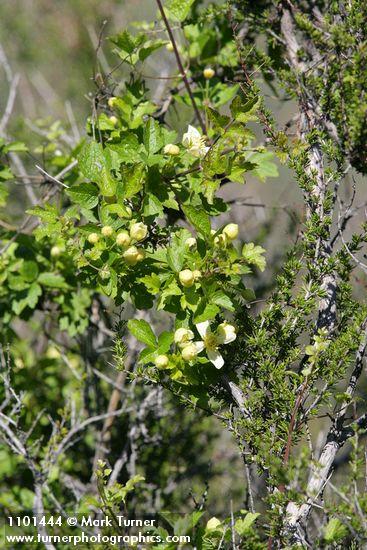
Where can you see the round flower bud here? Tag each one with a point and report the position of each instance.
(197, 274)
(231, 231)
(111, 102)
(93, 238)
(189, 352)
(107, 231)
(186, 277)
(208, 73)
(183, 336)
(212, 524)
(161, 361)
(169, 47)
(114, 120)
(131, 255)
(138, 231)
(171, 149)
(123, 238)
(191, 242)
(55, 251)
(141, 254)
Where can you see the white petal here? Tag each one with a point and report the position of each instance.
(199, 346)
(216, 358)
(193, 132)
(203, 328)
(226, 333)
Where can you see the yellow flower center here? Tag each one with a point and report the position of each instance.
(211, 341)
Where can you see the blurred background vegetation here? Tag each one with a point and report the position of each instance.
(52, 45)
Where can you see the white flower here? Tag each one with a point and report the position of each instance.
(224, 334)
(194, 142)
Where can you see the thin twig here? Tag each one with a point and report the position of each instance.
(180, 66)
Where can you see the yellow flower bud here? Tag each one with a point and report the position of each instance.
(197, 274)
(191, 242)
(186, 277)
(107, 231)
(111, 102)
(123, 238)
(131, 255)
(114, 120)
(141, 254)
(55, 251)
(208, 73)
(171, 149)
(169, 47)
(189, 352)
(212, 524)
(231, 231)
(161, 361)
(138, 231)
(93, 238)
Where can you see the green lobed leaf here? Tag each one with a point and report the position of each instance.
(142, 331)
(85, 194)
(178, 10)
(198, 217)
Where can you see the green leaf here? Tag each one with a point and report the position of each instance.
(165, 340)
(93, 165)
(221, 299)
(205, 312)
(265, 167)
(125, 41)
(334, 530)
(152, 283)
(127, 149)
(198, 218)
(133, 179)
(152, 136)
(254, 255)
(47, 213)
(29, 271)
(52, 280)
(15, 147)
(142, 331)
(242, 526)
(178, 10)
(243, 112)
(3, 195)
(85, 194)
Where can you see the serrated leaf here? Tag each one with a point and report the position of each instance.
(85, 194)
(242, 526)
(265, 168)
(52, 280)
(254, 255)
(198, 218)
(335, 530)
(93, 165)
(153, 137)
(133, 179)
(142, 331)
(221, 299)
(178, 10)
(47, 213)
(205, 312)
